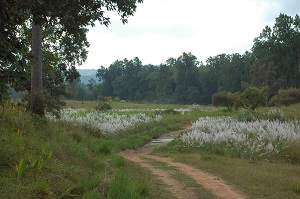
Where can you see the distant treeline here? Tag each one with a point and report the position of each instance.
(273, 62)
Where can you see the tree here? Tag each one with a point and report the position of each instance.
(230, 70)
(209, 82)
(224, 98)
(13, 51)
(252, 97)
(94, 89)
(108, 75)
(187, 82)
(70, 17)
(224, 72)
(129, 84)
(264, 74)
(165, 86)
(280, 45)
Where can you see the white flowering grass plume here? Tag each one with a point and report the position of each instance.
(259, 138)
(109, 121)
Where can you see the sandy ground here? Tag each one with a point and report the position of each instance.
(210, 182)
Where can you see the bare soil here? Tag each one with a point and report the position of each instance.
(215, 184)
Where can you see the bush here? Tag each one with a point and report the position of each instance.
(252, 97)
(224, 99)
(105, 99)
(103, 106)
(286, 97)
(117, 99)
(4, 95)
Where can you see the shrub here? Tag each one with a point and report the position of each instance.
(252, 97)
(224, 99)
(286, 97)
(292, 152)
(103, 106)
(117, 99)
(105, 99)
(103, 148)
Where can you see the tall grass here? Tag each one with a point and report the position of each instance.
(45, 159)
(257, 139)
(55, 159)
(258, 175)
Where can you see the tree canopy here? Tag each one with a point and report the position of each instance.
(58, 33)
(272, 64)
(277, 50)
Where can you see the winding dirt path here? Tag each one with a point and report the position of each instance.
(210, 182)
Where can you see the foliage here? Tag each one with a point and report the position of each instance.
(80, 165)
(179, 80)
(108, 122)
(264, 74)
(4, 95)
(103, 106)
(58, 34)
(226, 99)
(254, 139)
(286, 97)
(97, 171)
(270, 114)
(279, 46)
(252, 97)
(187, 81)
(105, 99)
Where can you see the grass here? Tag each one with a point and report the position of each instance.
(43, 159)
(255, 179)
(273, 178)
(70, 160)
(120, 105)
(189, 182)
(198, 189)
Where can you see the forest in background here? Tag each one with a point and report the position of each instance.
(273, 62)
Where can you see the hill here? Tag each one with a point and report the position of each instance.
(87, 74)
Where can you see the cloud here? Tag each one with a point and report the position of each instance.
(161, 29)
(274, 7)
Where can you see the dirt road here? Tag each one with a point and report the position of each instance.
(210, 182)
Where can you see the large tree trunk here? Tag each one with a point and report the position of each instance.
(36, 102)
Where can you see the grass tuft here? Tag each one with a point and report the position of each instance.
(296, 187)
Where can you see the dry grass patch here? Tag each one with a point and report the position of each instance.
(255, 179)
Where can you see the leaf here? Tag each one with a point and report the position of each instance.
(68, 193)
(27, 169)
(37, 163)
(20, 168)
(40, 166)
(49, 156)
(19, 132)
(50, 193)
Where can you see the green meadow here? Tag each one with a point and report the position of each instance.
(43, 158)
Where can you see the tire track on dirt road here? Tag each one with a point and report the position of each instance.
(177, 188)
(210, 182)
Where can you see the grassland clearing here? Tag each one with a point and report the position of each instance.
(72, 159)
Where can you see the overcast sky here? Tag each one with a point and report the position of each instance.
(161, 29)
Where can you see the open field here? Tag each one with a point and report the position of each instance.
(62, 159)
(121, 105)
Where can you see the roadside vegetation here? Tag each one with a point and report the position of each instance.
(56, 158)
(250, 150)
